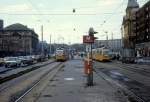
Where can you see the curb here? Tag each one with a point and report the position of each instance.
(2, 80)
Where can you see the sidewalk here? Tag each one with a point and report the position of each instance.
(69, 86)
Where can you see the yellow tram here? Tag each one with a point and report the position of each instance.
(61, 54)
(101, 54)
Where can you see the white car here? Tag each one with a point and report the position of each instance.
(12, 62)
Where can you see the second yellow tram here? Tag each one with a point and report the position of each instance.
(101, 54)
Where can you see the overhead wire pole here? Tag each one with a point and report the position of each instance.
(112, 37)
(42, 39)
(38, 11)
(50, 41)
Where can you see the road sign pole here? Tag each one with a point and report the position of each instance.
(90, 75)
(89, 65)
(89, 40)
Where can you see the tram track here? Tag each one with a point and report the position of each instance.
(132, 95)
(17, 88)
(134, 69)
(129, 68)
(20, 73)
(139, 90)
(20, 98)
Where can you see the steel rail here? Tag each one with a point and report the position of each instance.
(136, 97)
(131, 68)
(36, 83)
(6, 86)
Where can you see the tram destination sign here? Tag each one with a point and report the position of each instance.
(88, 39)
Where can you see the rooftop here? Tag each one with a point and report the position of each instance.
(17, 26)
(132, 4)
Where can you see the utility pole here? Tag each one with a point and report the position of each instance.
(112, 41)
(50, 44)
(106, 39)
(42, 38)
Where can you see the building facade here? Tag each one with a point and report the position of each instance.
(128, 25)
(143, 30)
(114, 45)
(17, 39)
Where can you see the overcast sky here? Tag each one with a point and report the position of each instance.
(58, 19)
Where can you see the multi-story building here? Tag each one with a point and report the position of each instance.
(143, 30)
(114, 44)
(129, 23)
(17, 39)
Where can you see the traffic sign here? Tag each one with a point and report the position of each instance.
(88, 39)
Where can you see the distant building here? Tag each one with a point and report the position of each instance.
(1, 24)
(45, 49)
(115, 45)
(129, 23)
(143, 30)
(17, 39)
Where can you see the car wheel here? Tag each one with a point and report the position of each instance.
(6, 66)
(17, 65)
(22, 64)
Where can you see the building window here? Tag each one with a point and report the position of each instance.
(147, 30)
(147, 8)
(147, 36)
(147, 16)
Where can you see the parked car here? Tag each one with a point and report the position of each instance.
(41, 58)
(34, 58)
(12, 62)
(28, 60)
(38, 58)
(24, 61)
(1, 61)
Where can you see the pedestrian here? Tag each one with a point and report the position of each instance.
(118, 56)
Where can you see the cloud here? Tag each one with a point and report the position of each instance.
(15, 8)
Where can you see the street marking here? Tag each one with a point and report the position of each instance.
(69, 79)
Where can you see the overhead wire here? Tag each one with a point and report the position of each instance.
(117, 8)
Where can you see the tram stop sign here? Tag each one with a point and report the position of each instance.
(88, 39)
